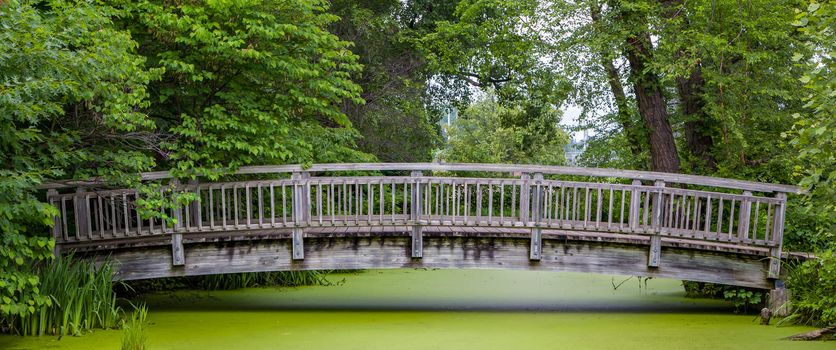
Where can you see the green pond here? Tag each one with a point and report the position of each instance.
(445, 309)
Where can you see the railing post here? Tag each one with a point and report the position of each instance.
(82, 214)
(537, 214)
(301, 208)
(743, 219)
(525, 198)
(194, 206)
(777, 237)
(178, 256)
(51, 194)
(415, 216)
(635, 205)
(655, 253)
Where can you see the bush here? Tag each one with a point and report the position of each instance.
(741, 297)
(813, 290)
(81, 295)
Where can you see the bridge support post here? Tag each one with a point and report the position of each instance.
(537, 213)
(655, 254)
(301, 208)
(415, 216)
(778, 300)
(178, 256)
(777, 237)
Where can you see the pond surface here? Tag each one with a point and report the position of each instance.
(445, 309)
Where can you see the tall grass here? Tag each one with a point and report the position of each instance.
(82, 299)
(255, 279)
(134, 335)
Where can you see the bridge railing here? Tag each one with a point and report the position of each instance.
(659, 205)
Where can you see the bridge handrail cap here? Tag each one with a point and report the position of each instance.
(482, 167)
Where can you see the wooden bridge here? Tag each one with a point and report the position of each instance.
(361, 216)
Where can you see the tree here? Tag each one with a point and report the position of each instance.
(70, 89)
(396, 122)
(246, 83)
(813, 134)
(487, 132)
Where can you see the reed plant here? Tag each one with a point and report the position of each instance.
(134, 329)
(81, 295)
(256, 279)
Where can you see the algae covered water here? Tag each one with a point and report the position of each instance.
(445, 309)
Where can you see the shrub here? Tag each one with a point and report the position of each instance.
(741, 297)
(813, 290)
(82, 298)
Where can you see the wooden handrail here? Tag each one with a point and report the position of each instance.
(479, 167)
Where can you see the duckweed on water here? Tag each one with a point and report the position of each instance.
(445, 309)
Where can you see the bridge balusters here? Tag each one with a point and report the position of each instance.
(417, 239)
(745, 219)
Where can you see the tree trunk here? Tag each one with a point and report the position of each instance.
(632, 131)
(697, 130)
(697, 125)
(814, 335)
(651, 102)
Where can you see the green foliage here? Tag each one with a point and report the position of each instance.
(81, 299)
(749, 89)
(246, 82)
(742, 298)
(395, 123)
(487, 132)
(813, 135)
(813, 286)
(261, 279)
(135, 329)
(70, 90)
(495, 44)
(229, 281)
(205, 88)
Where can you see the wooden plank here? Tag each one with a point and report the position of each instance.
(501, 168)
(655, 253)
(535, 252)
(743, 220)
(442, 252)
(298, 244)
(525, 198)
(417, 241)
(777, 237)
(635, 195)
(417, 247)
(178, 256)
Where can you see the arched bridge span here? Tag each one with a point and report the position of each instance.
(359, 216)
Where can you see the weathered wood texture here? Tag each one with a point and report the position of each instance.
(619, 210)
(441, 250)
(498, 168)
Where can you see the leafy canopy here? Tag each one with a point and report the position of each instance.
(70, 90)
